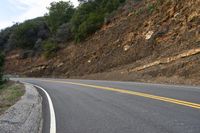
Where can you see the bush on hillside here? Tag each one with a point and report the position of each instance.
(63, 33)
(26, 34)
(89, 26)
(62, 23)
(90, 15)
(50, 48)
(4, 38)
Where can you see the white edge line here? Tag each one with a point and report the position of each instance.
(51, 108)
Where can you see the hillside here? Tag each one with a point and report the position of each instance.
(147, 40)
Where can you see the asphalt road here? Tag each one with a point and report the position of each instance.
(88, 106)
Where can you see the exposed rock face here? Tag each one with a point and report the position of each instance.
(140, 33)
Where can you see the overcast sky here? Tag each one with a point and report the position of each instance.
(12, 11)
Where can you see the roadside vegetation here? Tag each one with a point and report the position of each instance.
(10, 93)
(63, 23)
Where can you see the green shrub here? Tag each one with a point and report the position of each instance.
(63, 33)
(150, 8)
(89, 16)
(50, 48)
(89, 26)
(137, 0)
(140, 10)
(160, 2)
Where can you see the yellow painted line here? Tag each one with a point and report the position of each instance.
(130, 92)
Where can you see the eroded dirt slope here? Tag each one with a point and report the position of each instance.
(139, 34)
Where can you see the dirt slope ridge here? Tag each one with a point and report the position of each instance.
(140, 33)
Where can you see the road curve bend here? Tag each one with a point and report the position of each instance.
(90, 106)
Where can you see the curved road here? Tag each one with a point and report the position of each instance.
(89, 106)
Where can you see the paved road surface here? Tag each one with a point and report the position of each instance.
(88, 106)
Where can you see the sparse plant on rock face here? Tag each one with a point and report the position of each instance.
(140, 10)
(49, 48)
(150, 8)
(159, 2)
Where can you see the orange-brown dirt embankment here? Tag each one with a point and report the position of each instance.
(153, 40)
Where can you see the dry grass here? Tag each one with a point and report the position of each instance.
(10, 93)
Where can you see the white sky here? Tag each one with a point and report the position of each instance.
(12, 11)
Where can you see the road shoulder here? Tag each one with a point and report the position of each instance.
(25, 115)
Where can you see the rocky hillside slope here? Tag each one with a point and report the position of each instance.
(148, 40)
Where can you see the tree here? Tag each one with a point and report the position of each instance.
(90, 15)
(26, 34)
(4, 37)
(59, 13)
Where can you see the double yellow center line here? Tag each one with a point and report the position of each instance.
(130, 92)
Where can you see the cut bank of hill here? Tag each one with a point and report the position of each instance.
(147, 40)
